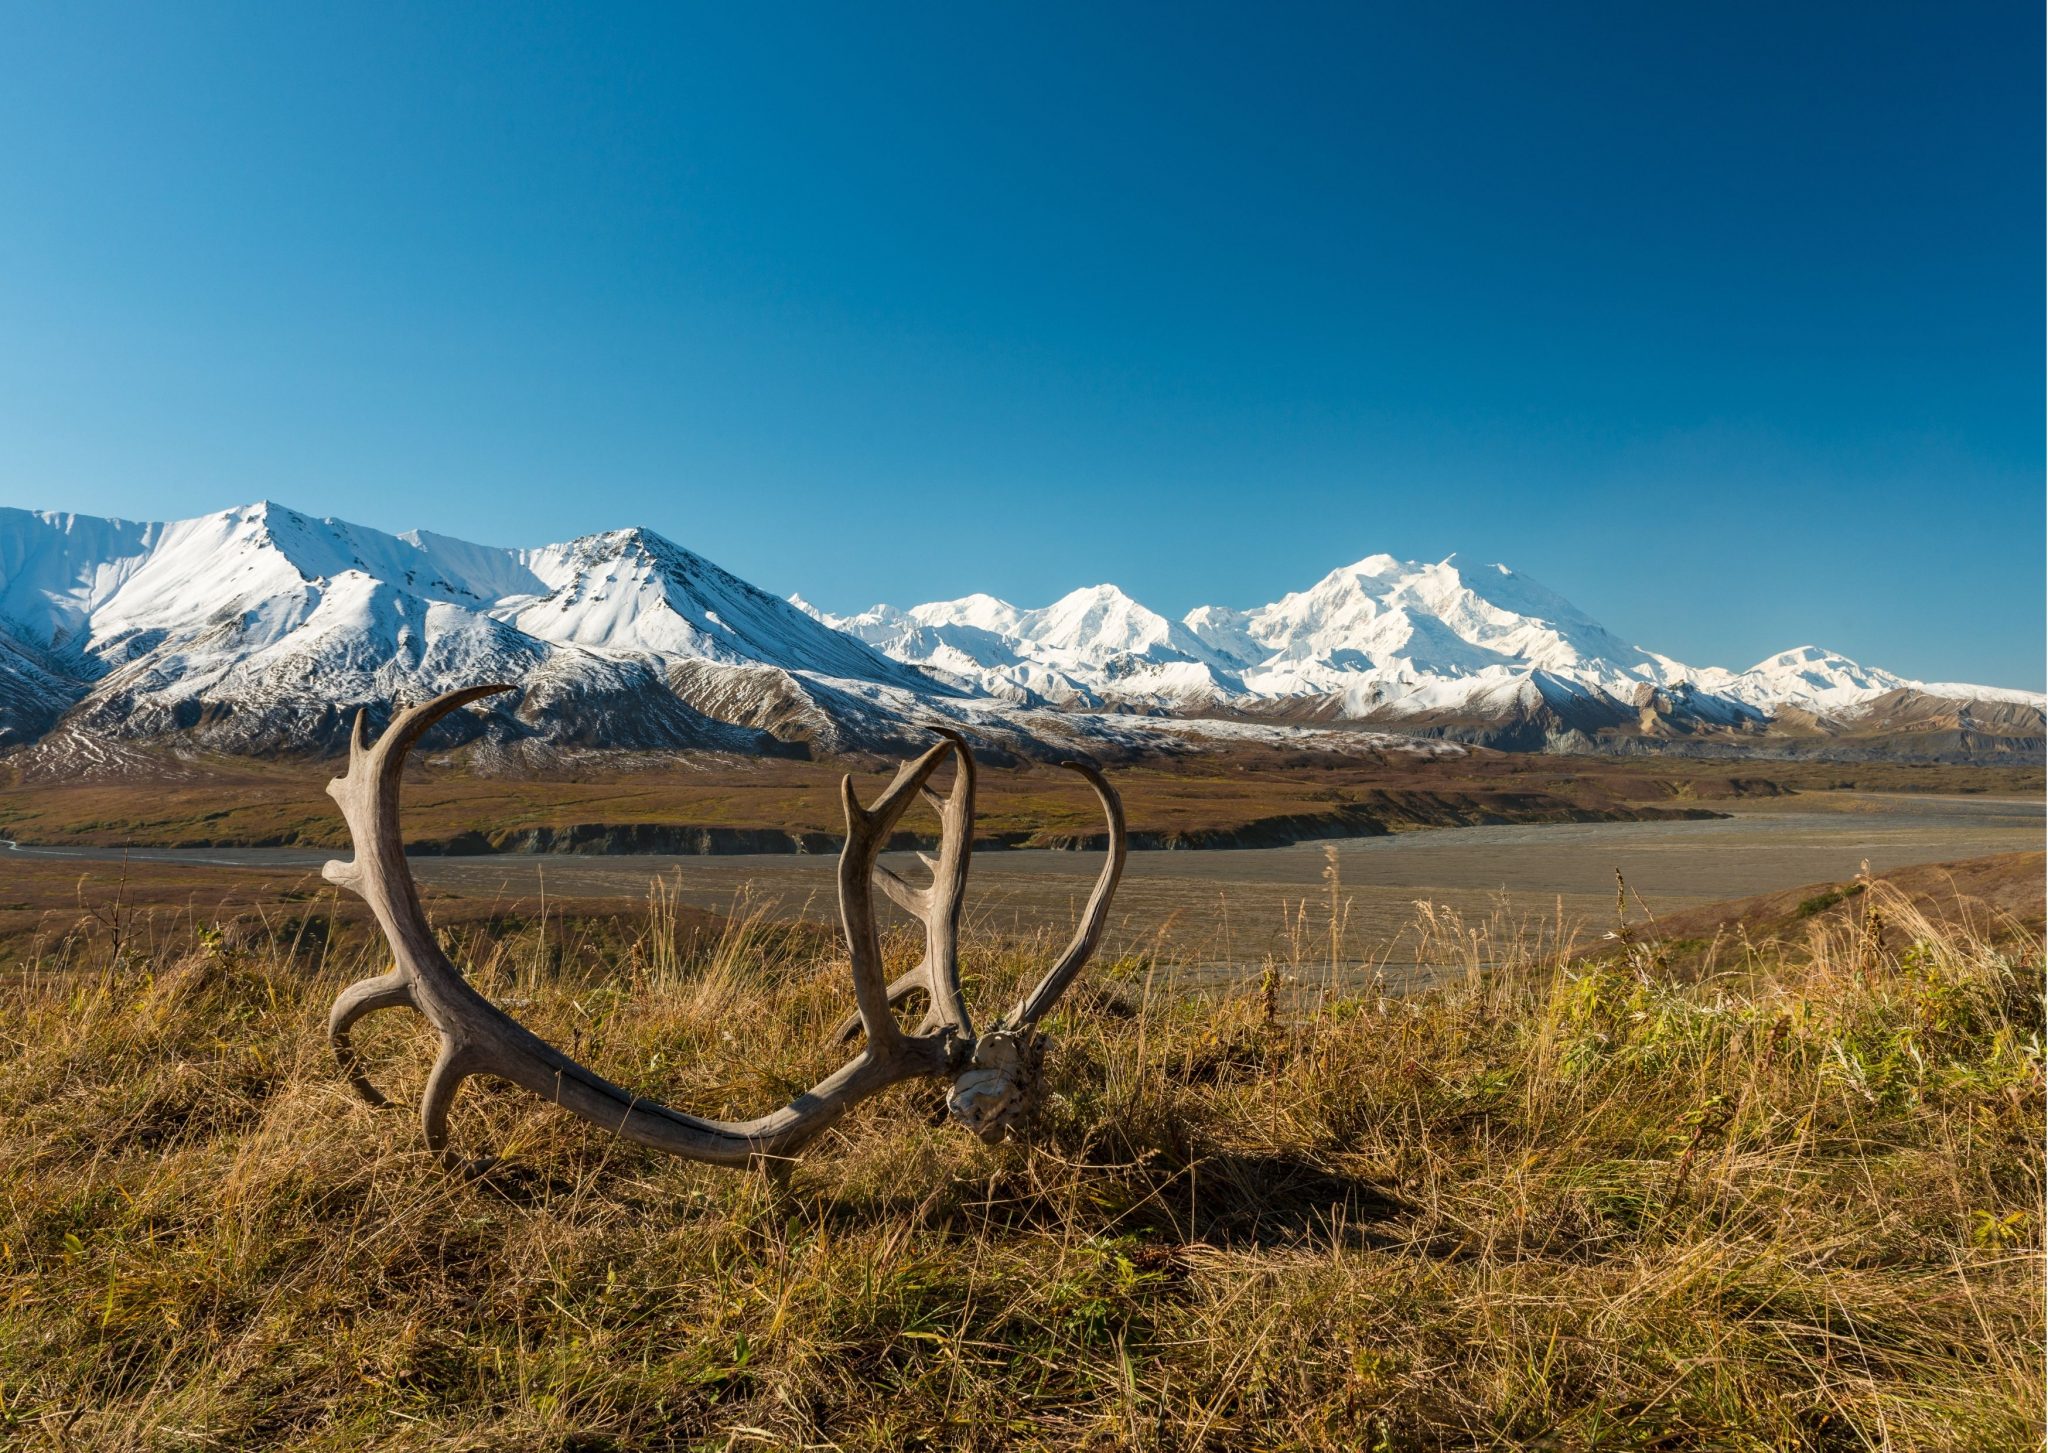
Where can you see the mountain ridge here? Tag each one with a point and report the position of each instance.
(258, 629)
(1383, 635)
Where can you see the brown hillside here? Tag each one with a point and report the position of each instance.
(2000, 897)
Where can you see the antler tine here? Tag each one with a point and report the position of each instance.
(1033, 1006)
(867, 833)
(365, 996)
(368, 793)
(368, 796)
(937, 906)
(947, 896)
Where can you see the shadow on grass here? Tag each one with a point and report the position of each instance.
(1245, 1202)
(1224, 1199)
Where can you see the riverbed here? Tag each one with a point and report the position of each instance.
(1247, 906)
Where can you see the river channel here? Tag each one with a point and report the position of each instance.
(1244, 906)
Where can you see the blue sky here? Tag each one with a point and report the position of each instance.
(1725, 321)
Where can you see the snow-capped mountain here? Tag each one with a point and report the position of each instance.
(1379, 636)
(1821, 680)
(260, 629)
(1087, 646)
(1394, 635)
(1485, 653)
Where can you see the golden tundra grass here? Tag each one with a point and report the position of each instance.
(1543, 1205)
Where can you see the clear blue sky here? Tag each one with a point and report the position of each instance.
(1724, 320)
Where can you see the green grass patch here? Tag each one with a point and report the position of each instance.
(1821, 902)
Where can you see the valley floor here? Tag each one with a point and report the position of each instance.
(1207, 913)
(1247, 796)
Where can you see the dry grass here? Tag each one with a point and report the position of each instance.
(1545, 1205)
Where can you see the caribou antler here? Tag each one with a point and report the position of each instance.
(991, 1074)
(937, 907)
(1094, 918)
(938, 974)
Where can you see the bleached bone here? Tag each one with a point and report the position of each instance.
(990, 1076)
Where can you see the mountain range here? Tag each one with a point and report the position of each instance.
(1485, 655)
(259, 630)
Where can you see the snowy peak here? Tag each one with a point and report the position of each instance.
(78, 584)
(1099, 643)
(259, 626)
(1811, 677)
(1101, 624)
(56, 570)
(1085, 646)
(1383, 615)
(982, 612)
(1381, 638)
(632, 592)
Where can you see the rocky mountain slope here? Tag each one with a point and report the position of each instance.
(259, 630)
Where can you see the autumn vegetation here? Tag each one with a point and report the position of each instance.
(1584, 1192)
